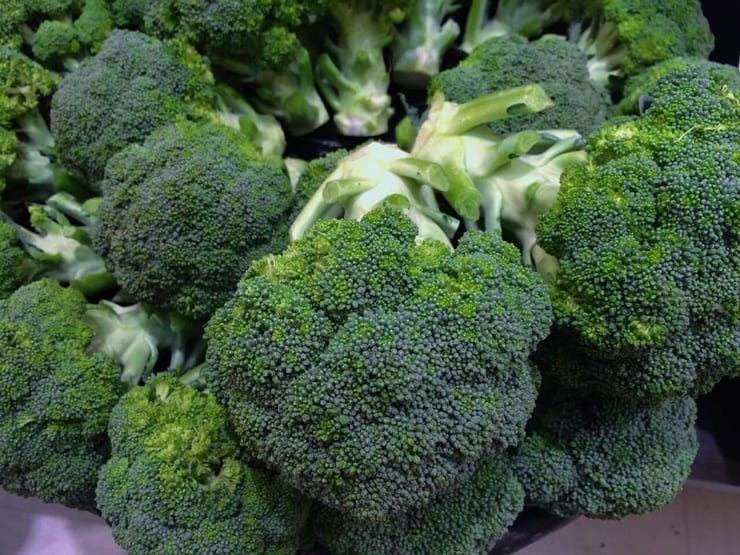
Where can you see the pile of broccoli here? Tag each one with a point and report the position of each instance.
(370, 276)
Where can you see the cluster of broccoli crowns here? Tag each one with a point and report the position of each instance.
(390, 377)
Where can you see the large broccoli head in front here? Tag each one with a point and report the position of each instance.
(175, 484)
(374, 372)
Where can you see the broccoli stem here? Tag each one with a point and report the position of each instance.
(418, 48)
(457, 119)
(600, 41)
(352, 76)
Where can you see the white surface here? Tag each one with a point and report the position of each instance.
(31, 527)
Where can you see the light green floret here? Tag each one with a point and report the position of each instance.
(175, 483)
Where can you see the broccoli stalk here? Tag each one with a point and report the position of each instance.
(525, 187)
(422, 41)
(523, 17)
(352, 76)
(62, 248)
(606, 53)
(263, 129)
(374, 174)
(456, 137)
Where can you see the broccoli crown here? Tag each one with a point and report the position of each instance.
(467, 518)
(511, 61)
(636, 88)
(184, 214)
(373, 371)
(647, 237)
(16, 268)
(607, 458)
(23, 83)
(55, 40)
(629, 36)
(174, 483)
(132, 86)
(55, 397)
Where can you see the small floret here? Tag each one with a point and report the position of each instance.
(374, 371)
(178, 231)
(16, 267)
(173, 440)
(467, 518)
(606, 458)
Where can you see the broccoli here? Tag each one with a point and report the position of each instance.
(173, 440)
(374, 372)
(526, 18)
(512, 178)
(61, 377)
(17, 16)
(29, 161)
(646, 237)
(635, 98)
(16, 267)
(352, 76)
(128, 14)
(512, 61)
(185, 213)
(420, 44)
(606, 458)
(371, 175)
(467, 518)
(61, 247)
(133, 85)
(311, 177)
(624, 37)
(257, 41)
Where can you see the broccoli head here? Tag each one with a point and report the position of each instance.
(512, 61)
(64, 364)
(373, 371)
(184, 214)
(646, 236)
(132, 86)
(173, 440)
(16, 267)
(624, 37)
(467, 518)
(607, 458)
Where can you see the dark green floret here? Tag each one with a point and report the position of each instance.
(374, 372)
(119, 96)
(175, 484)
(184, 215)
(16, 267)
(467, 518)
(607, 458)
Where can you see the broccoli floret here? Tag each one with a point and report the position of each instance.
(16, 267)
(523, 17)
(467, 518)
(607, 458)
(60, 379)
(624, 37)
(512, 61)
(185, 213)
(636, 89)
(128, 14)
(646, 236)
(134, 85)
(420, 44)
(373, 371)
(258, 42)
(352, 76)
(173, 440)
(373, 174)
